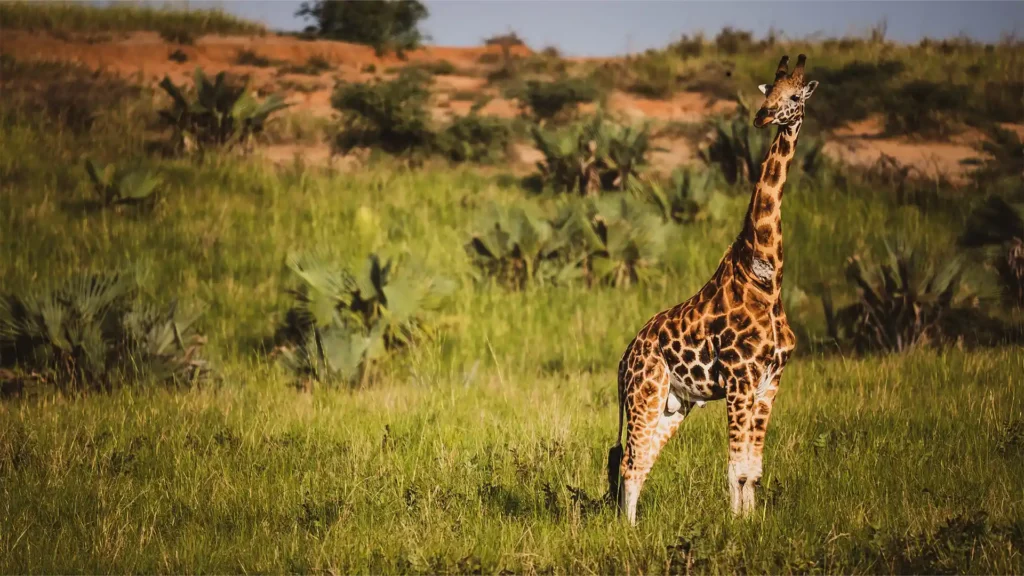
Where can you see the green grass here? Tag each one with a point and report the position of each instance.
(78, 17)
(485, 448)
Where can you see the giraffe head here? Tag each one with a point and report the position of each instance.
(784, 99)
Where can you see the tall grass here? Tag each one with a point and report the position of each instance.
(73, 17)
(483, 449)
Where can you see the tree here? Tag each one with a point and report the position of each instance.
(383, 24)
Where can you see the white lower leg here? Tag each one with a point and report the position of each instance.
(743, 477)
(630, 496)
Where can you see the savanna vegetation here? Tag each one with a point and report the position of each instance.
(210, 363)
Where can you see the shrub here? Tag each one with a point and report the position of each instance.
(688, 47)
(653, 75)
(998, 226)
(852, 92)
(178, 56)
(314, 66)
(509, 39)
(95, 332)
(738, 150)
(901, 304)
(518, 246)
(115, 186)
(622, 239)
(217, 114)
(178, 34)
(1002, 156)
(475, 138)
(732, 42)
(250, 58)
(389, 114)
(549, 100)
(383, 24)
(686, 198)
(71, 95)
(591, 156)
(925, 108)
(342, 323)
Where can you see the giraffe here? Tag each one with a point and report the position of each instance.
(729, 341)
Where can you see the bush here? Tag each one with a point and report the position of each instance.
(853, 92)
(688, 47)
(96, 332)
(388, 114)
(901, 304)
(342, 323)
(622, 239)
(71, 95)
(998, 226)
(1002, 157)
(182, 35)
(314, 66)
(116, 187)
(925, 108)
(250, 58)
(385, 25)
(178, 56)
(732, 42)
(549, 100)
(738, 150)
(215, 114)
(518, 246)
(686, 198)
(475, 138)
(653, 75)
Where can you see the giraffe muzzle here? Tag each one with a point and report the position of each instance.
(763, 118)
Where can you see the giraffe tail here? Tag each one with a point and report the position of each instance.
(615, 454)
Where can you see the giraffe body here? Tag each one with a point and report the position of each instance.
(729, 341)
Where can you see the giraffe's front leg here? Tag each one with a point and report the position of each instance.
(744, 470)
(764, 399)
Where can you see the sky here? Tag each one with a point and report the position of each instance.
(613, 27)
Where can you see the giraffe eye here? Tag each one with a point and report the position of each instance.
(794, 98)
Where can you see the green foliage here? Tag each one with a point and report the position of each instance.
(114, 186)
(622, 238)
(314, 66)
(475, 138)
(248, 57)
(343, 322)
(925, 108)
(690, 196)
(1002, 156)
(556, 99)
(902, 304)
(178, 34)
(519, 246)
(64, 17)
(388, 114)
(852, 92)
(738, 149)
(71, 95)
(215, 114)
(591, 155)
(731, 41)
(997, 225)
(96, 332)
(386, 25)
(654, 74)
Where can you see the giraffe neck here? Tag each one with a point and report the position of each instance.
(760, 243)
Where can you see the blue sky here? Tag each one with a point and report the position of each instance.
(610, 27)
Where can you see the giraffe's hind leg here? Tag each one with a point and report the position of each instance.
(652, 418)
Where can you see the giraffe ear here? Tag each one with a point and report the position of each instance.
(764, 89)
(809, 89)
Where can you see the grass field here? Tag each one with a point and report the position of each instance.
(482, 450)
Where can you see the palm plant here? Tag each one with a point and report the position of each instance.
(218, 113)
(570, 158)
(517, 246)
(738, 149)
(623, 240)
(115, 186)
(997, 226)
(626, 153)
(341, 322)
(685, 198)
(96, 331)
(902, 304)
